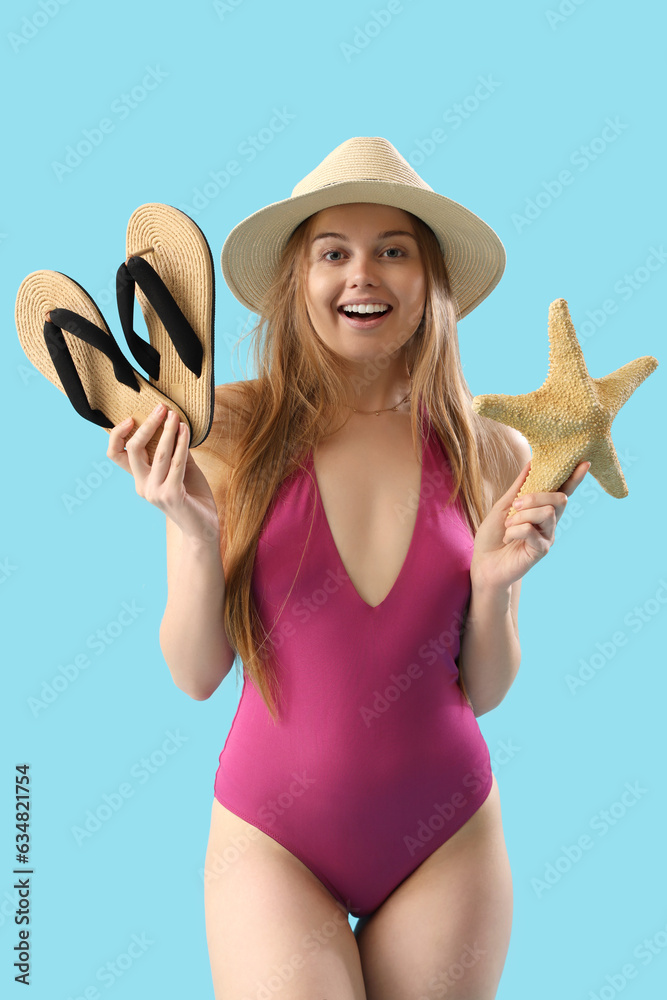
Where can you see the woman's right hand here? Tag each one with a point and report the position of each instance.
(173, 482)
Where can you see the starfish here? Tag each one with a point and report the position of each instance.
(568, 419)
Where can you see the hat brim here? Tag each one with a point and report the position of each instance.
(473, 253)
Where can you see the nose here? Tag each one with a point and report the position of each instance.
(363, 270)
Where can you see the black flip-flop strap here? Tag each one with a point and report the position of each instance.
(183, 337)
(65, 319)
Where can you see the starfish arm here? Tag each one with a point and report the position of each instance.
(552, 463)
(516, 411)
(606, 468)
(566, 359)
(616, 388)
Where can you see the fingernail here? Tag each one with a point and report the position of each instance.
(518, 503)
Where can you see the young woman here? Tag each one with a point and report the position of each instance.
(343, 532)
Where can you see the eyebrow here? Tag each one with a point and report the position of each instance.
(381, 236)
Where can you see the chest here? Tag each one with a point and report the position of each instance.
(382, 540)
(369, 493)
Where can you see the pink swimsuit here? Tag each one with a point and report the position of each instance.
(378, 759)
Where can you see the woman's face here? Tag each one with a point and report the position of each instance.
(364, 253)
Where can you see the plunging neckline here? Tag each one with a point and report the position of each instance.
(402, 571)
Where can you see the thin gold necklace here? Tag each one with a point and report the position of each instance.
(386, 410)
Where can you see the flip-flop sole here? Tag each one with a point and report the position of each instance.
(38, 294)
(182, 257)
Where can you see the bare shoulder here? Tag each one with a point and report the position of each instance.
(521, 449)
(232, 407)
(214, 456)
(232, 402)
(510, 465)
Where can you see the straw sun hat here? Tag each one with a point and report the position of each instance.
(364, 169)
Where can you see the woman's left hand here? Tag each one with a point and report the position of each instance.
(506, 549)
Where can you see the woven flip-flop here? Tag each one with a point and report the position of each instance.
(169, 267)
(77, 352)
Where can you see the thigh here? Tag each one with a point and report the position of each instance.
(272, 927)
(445, 930)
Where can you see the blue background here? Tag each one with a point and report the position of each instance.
(553, 82)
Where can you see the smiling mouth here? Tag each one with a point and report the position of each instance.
(365, 319)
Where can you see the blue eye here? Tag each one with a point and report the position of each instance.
(326, 253)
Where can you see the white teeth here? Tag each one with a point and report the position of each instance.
(368, 307)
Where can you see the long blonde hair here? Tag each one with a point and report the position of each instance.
(300, 387)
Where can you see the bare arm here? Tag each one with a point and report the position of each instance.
(192, 634)
(490, 652)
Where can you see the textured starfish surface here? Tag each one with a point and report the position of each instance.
(568, 419)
